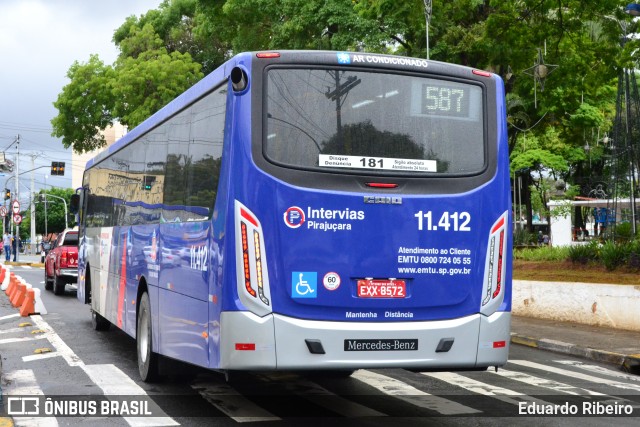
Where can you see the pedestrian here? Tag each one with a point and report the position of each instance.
(540, 238)
(6, 242)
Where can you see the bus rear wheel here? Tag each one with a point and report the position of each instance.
(147, 359)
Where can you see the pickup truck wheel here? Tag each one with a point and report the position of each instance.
(48, 285)
(58, 285)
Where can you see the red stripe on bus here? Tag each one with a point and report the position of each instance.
(246, 215)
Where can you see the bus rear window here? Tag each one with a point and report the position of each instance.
(345, 120)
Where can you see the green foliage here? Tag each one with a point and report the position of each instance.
(633, 258)
(524, 238)
(54, 222)
(613, 255)
(624, 232)
(583, 254)
(542, 253)
(143, 79)
(163, 51)
(145, 83)
(84, 105)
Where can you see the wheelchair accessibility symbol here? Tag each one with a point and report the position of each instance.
(304, 284)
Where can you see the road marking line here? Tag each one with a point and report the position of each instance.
(61, 347)
(412, 395)
(499, 393)
(598, 369)
(576, 375)
(10, 316)
(109, 378)
(114, 382)
(545, 383)
(23, 339)
(320, 396)
(41, 356)
(11, 331)
(231, 403)
(23, 382)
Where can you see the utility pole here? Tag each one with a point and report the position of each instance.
(16, 235)
(427, 17)
(341, 90)
(33, 207)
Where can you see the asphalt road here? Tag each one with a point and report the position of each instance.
(83, 364)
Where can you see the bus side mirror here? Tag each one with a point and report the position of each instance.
(74, 206)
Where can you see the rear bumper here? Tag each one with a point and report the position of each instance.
(69, 275)
(280, 342)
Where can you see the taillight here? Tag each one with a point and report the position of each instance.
(495, 266)
(63, 259)
(251, 265)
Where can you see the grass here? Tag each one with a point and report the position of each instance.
(567, 271)
(593, 263)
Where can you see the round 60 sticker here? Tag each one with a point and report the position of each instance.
(331, 281)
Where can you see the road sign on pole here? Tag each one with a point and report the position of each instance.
(15, 206)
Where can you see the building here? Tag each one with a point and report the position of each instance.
(78, 161)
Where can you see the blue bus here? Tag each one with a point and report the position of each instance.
(303, 210)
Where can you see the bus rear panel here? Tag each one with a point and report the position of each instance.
(374, 228)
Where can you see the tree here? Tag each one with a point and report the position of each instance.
(84, 105)
(144, 78)
(149, 77)
(54, 215)
(576, 107)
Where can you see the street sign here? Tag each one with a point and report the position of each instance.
(17, 218)
(3, 211)
(15, 206)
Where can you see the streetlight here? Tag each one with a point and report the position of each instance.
(45, 195)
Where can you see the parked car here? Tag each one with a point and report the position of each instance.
(61, 262)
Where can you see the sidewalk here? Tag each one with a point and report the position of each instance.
(24, 259)
(615, 346)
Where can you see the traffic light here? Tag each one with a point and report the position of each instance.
(148, 182)
(7, 194)
(57, 168)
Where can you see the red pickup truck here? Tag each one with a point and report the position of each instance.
(61, 262)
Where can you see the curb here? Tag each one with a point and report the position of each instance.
(626, 362)
(19, 263)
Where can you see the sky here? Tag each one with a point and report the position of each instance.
(39, 41)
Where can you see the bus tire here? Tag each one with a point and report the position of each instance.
(98, 322)
(147, 359)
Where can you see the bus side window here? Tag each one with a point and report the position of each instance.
(205, 154)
